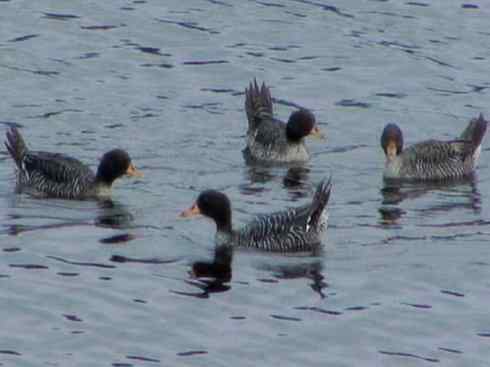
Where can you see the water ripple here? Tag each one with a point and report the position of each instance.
(24, 38)
(189, 25)
(409, 355)
(81, 263)
(59, 16)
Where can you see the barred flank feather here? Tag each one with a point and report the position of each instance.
(48, 174)
(57, 175)
(289, 231)
(440, 160)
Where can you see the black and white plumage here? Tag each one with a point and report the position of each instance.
(271, 140)
(46, 174)
(290, 231)
(433, 159)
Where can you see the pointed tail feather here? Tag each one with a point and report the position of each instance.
(320, 201)
(475, 131)
(15, 145)
(258, 103)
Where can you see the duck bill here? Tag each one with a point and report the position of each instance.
(316, 134)
(391, 150)
(133, 172)
(191, 212)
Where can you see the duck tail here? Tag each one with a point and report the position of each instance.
(15, 145)
(258, 103)
(475, 131)
(320, 201)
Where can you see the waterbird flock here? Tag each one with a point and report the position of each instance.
(296, 230)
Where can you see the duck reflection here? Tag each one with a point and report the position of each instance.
(295, 181)
(113, 214)
(211, 276)
(311, 270)
(219, 269)
(296, 178)
(258, 174)
(110, 214)
(395, 192)
(390, 215)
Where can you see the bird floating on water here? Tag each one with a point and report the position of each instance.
(271, 140)
(290, 231)
(45, 174)
(433, 159)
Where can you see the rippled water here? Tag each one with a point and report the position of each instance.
(404, 279)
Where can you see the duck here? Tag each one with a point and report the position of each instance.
(433, 159)
(296, 230)
(56, 175)
(270, 140)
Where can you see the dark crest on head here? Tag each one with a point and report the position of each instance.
(113, 165)
(216, 205)
(300, 124)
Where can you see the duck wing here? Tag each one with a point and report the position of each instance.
(433, 159)
(16, 146)
(258, 104)
(475, 131)
(292, 230)
(281, 231)
(55, 175)
(56, 167)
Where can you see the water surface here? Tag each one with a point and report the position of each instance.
(404, 276)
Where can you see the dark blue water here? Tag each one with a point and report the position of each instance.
(404, 277)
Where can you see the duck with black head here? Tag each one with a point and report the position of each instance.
(291, 231)
(433, 159)
(45, 174)
(270, 140)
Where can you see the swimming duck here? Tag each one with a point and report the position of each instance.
(57, 175)
(294, 230)
(272, 140)
(433, 159)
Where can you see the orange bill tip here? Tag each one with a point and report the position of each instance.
(191, 212)
(317, 133)
(132, 171)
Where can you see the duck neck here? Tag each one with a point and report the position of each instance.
(293, 137)
(392, 167)
(223, 225)
(223, 239)
(102, 188)
(103, 177)
(223, 229)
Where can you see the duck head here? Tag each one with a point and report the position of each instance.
(392, 141)
(302, 123)
(114, 164)
(212, 204)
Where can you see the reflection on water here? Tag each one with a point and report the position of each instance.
(110, 214)
(219, 269)
(394, 192)
(113, 214)
(311, 270)
(390, 215)
(87, 78)
(295, 179)
(259, 174)
(211, 276)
